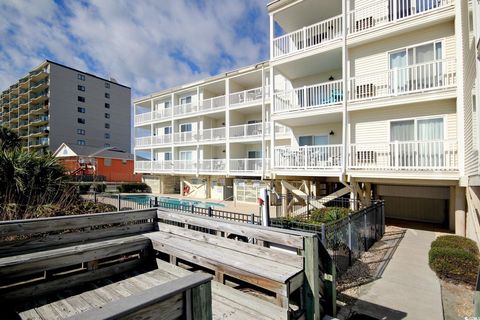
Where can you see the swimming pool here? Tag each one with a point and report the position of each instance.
(142, 199)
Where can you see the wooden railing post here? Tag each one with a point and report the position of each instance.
(118, 202)
(312, 279)
(202, 302)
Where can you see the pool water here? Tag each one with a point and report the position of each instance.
(173, 201)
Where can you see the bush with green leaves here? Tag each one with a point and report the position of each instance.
(84, 188)
(133, 187)
(455, 258)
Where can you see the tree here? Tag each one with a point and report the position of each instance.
(8, 139)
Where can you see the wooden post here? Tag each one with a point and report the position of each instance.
(202, 302)
(118, 202)
(312, 280)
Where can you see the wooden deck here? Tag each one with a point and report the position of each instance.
(227, 302)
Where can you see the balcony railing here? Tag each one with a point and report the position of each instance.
(143, 141)
(314, 35)
(247, 96)
(438, 155)
(309, 97)
(244, 166)
(162, 113)
(384, 12)
(246, 130)
(184, 109)
(212, 103)
(184, 137)
(214, 134)
(162, 166)
(212, 165)
(184, 165)
(162, 139)
(39, 119)
(421, 77)
(324, 157)
(143, 165)
(143, 118)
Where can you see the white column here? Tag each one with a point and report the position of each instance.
(227, 125)
(272, 123)
(345, 75)
(172, 148)
(263, 121)
(460, 214)
(272, 29)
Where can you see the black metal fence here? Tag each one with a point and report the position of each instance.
(345, 239)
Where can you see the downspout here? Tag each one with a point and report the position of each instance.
(345, 74)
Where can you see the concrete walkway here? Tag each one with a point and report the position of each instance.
(408, 288)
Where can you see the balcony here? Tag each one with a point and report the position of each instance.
(418, 78)
(309, 97)
(244, 131)
(212, 165)
(247, 166)
(147, 117)
(152, 141)
(39, 85)
(39, 142)
(184, 137)
(143, 118)
(250, 96)
(212, 104)
(39, 120)
(312, 158)
(417, 156)
(184, 166)
(380, 13)
(39, 131)
(185, 109)
(38, 108)
(144, 166)
(39, 96)
(315, 35)
(212, 135)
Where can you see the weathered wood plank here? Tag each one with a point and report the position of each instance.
(242, 229)
(57, 240)
(41, 225)
(29, 263)
(38, 289)
(312, 279)
(201, 302)
(140, 305)
(251, 249)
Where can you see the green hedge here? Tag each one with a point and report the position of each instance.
(84, 188)
(133, 187)
(455, 258)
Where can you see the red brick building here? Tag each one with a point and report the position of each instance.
(98, 164)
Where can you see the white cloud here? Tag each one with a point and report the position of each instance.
(132, 41)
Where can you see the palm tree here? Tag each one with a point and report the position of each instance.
(8, 139)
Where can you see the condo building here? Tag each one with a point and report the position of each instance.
(55, 104)
(360, 98)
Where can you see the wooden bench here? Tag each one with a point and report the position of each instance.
(278, 271)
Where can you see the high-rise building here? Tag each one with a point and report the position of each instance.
(56, 104)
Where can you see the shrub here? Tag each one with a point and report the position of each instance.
(133, 187)
(84, 188)
(455, 258)
(451, 241)
(326, 215)
(100, 187)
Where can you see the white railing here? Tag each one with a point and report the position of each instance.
(313, 35)
(308, 157)
(280, 129)
(246, 130)
(247, 165)
(384, 12)
(184, 137)
(212, 165)
(184, 109)
(405, 155)
(162, 166)
(143, 118)
(213, 103)
(308, 97)
(162, 139)
(185, 165)
(247, 96)
(143, 165)
(143, 141)
(415, 78)
(162, 113)
(214, 134)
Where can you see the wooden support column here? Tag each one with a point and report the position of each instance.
(284, 202)
(312, 279)
(460, 212)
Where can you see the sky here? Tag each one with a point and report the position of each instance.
(148, 45)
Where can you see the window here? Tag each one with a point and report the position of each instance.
(81, 142)
(81, 109)
(107, 162)
(107, 125)
(107, 135)
(124, 162)
(81, 120)
(186, 155)
(107, 95)
(417, 130)
(81, 99)
(313, 140)
(107, 115)
(186, 127)
(167, 105)
(106, 145)
(254, 154)
(185, 100)
(81, 88)
(167, 156)
(80, 77)
(107, 105)
(81, 132)
(167, 130)
(107, 85)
